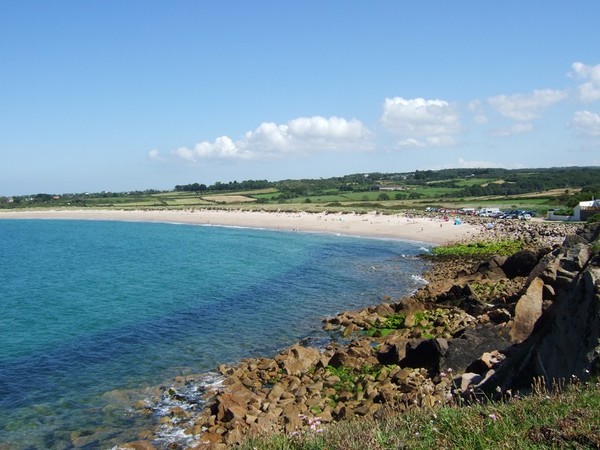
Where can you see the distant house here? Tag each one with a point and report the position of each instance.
(586, 209)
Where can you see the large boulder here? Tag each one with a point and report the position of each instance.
(528, 311)
(298, 359)
(474, 342)
(393, 350)
(520, 264)
(462, 297)
(358, 354)
(565, 341)
(427, 355)
(492, 268)
(391, 353)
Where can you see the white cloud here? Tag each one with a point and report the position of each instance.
(421, 122)
(410, 142)
(516, 128)
(222, 148)
(298, 136)
(306, 134)
(154, 155)
(589, 91)
(475, 164)
(269, 137)
(586, 123)
(525, 107)
(476, 108)
(480, 119)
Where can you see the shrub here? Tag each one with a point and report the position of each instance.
(593, 219)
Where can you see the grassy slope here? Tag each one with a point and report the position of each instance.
(567, 418)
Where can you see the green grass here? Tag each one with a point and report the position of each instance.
(346, 200)
(568, 418)
(433, 192)
(465, 182)
(477, 249)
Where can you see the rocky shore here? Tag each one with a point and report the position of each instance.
(480, 327)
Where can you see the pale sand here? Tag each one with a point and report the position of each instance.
(398, 226)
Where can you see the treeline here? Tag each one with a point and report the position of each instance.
(459, 183)
(289, 188)
(69, 199)
(497, 182)
(247, 185)
(587, 193)
(508, 182)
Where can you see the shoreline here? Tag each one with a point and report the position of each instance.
(400, 226)
(371, 225)
(293, 390)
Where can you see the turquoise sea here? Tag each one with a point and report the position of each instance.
(95, 313)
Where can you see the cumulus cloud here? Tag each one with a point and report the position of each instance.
(517, 128)
(306, 134)
(421, 122)
(298, 136)
(586, 123)
(154, 155)
(526, 107)
(476, 108)
(589, 91)
(222, 148)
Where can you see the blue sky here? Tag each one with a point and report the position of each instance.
(123, 95)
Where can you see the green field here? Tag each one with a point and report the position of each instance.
(427, 196)
(527, 189)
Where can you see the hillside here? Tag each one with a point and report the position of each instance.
(535, 190)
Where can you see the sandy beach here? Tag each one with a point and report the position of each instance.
(397, 226)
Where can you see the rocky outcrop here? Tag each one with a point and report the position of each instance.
(497, 324)
(565, 340)
(266, 395)
(528, 310)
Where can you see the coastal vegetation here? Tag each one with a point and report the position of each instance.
(536, 190)
(479, 249)
(562, 418)
(426, 324)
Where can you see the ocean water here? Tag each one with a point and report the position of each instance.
(93, 314)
